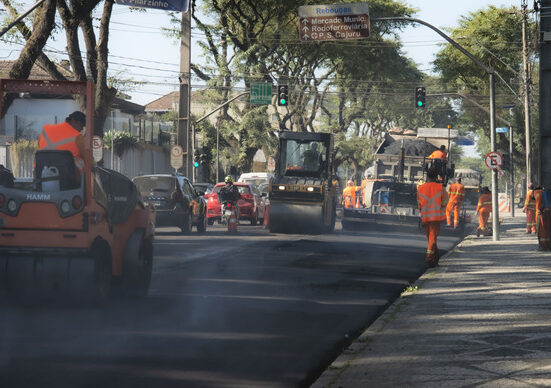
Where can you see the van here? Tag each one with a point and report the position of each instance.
(256, 178)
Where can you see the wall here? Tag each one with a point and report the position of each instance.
(148, 159)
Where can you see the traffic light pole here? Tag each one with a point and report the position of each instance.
(194, 124)
(491, 72)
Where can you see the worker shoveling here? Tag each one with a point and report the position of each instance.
(302, 191)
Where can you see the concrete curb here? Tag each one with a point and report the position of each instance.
(330, 376)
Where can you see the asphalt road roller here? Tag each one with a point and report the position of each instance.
(81, 232)
(303, 191)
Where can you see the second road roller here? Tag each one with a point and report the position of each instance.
(303, 192)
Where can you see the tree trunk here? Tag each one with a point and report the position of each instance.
(43, 25)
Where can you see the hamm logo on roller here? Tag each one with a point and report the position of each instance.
(38, 197)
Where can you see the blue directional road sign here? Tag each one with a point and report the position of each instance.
(502, 130)
(166, 5)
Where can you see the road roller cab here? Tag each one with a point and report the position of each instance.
(302, 191)
(73, 232)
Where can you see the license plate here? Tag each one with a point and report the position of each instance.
(227, 212)
(156, 203)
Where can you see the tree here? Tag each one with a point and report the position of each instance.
(494, 36)
(252, 41)
(75, 15)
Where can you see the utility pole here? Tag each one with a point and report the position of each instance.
(184, 138)
(526, 84)
(545, 94)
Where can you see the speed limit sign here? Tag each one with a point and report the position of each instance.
(493, 160)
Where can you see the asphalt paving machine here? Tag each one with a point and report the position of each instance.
(303, 190)
(82, 235)
(389, 194)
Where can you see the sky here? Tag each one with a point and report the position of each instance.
(139, 50)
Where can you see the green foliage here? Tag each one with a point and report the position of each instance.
(122, 141)
(492, 35)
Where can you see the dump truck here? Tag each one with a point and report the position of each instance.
(303, 191)
(83, 235)
(389, 194)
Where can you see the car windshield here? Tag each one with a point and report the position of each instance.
(242, 189)
(202, 187)
(256, 181)
(152, 184)
(303, 158)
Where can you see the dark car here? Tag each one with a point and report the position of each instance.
(175, 200)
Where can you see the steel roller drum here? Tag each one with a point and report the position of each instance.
(295, 218)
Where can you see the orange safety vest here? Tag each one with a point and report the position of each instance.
(438, 155)
(349, 195)
(59, 137)
(432, 199)
(485, 202)
(530, 202)
(457, 192)
(540, 203)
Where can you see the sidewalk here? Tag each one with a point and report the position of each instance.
(483, 318)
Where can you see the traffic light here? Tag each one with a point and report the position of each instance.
(420, 96)
(196, 158)
(282, 95)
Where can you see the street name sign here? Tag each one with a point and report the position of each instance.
(261, 94)
(176, 156)
(166, 5)
(502, 130)
(437, 133)
(333, 22)
(493, 160)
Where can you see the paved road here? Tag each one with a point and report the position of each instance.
(223, 311)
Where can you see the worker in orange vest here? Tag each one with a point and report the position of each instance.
(530, 210)
(65, 136)
(439, 154)
(456, 194)
(543, 217)
(483, 209)
(349, 195)
(432, 199)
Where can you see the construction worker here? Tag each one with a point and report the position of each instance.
(543, 217)
(65, 136)
(439, 159)
(456, 194)
(483, 209)
(432, 199)
(530, 210)
(439, 154)
(349, 194)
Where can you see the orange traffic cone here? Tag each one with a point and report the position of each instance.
(232, 222)
(358, 203)
(267, 217)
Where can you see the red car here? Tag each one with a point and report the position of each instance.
(251, 204)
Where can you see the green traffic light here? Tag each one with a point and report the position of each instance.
(419, 103)
(282, 101)
(196, 164)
